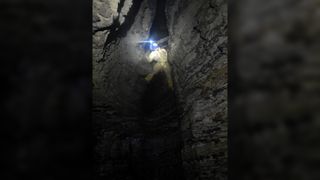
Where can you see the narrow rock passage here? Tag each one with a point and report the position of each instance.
(160, 122)
(146, 146)
(136, 121)
(143, 129)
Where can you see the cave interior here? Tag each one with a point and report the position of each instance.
(142, 128)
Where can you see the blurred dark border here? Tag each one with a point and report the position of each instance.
(274, 85)
(46, 89)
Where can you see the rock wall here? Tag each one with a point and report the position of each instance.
(118, 84)
(118, 65)
(198, 55)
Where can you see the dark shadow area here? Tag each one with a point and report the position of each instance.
(161, 128)
(119, 31)
(159, 28)
(46, 90)
(274, 90)
(156, 94)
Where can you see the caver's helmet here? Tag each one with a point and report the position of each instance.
(153, 46)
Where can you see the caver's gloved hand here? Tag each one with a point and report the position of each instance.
(160, 56)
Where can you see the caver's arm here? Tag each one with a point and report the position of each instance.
(148, 57)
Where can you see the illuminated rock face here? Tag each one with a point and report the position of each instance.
(198, 54)
(145, 130)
